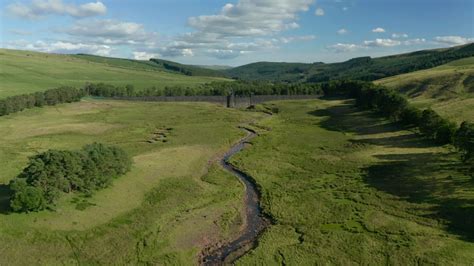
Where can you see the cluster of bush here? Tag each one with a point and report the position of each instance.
(464, 141)
(54, 172)
(239, 88)
(18, 103)
(395, 106)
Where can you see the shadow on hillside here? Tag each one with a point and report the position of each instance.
(347, 118)
(414, 176)
(5, 194)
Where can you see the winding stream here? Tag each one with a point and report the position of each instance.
(256, 221)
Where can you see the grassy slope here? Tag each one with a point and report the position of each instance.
(363, 68)
(187, 69)
(349, 188)
(165, 210)
(25, 72)
(279, 71)
(448, 89)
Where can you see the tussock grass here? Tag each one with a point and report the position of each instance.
(448, 89)
(347, 187)
(172, 204)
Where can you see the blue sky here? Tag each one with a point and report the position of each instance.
(235, 32)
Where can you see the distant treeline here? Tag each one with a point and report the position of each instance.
(368, 69)
(395, 106)
(386, 101)
(239, 88)
(54, 172)
(18, 103)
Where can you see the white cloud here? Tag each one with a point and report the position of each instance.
(223, 54)
(20, 32)
(241, 28)
(252, 18)
(296, 38)
(345, 8)
(377, 43)
(61, 47)
(415, 41)
(144, 55)
(187, 44)
(399, 35)
(342, 31)
(319, 12)
(453, 40)
(40, 8)
(378, 30)
(171, 51)
(105, 28)
(344, 47)
(382, 43)
(112, 32)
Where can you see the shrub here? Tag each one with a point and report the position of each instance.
(26, 198)
(464, 140)
(54, 172)
(411, 116)
(18, 103)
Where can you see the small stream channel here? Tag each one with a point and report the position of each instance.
(256, 221)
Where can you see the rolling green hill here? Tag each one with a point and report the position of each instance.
(156, 64)
(188, 70)
(25, 72)
(363, 68)
(276, 71)
(448, 89)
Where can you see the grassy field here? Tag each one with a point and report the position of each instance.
(347, 188)
(344, 187)
(25, 72)
(448, 89)
(174, 202)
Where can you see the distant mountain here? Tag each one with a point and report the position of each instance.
(363, 68)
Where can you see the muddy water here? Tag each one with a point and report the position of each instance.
(256, 221)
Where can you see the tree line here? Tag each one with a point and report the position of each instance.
(395, 106)
(54, 172)
(239, 88)
(18, 103)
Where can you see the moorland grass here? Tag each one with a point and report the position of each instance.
(346, 187)
(25, 72)
(175, 201)
(448, 89)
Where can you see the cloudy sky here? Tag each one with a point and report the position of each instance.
(235, 32)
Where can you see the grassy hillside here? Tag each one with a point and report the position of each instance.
(174, 202)
(270, 71)
(188, 70)
(349, 188)
(25, 72)
(449, 89)
(154, 64)
(363, 68)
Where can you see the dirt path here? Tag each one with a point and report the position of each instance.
(255, 222)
